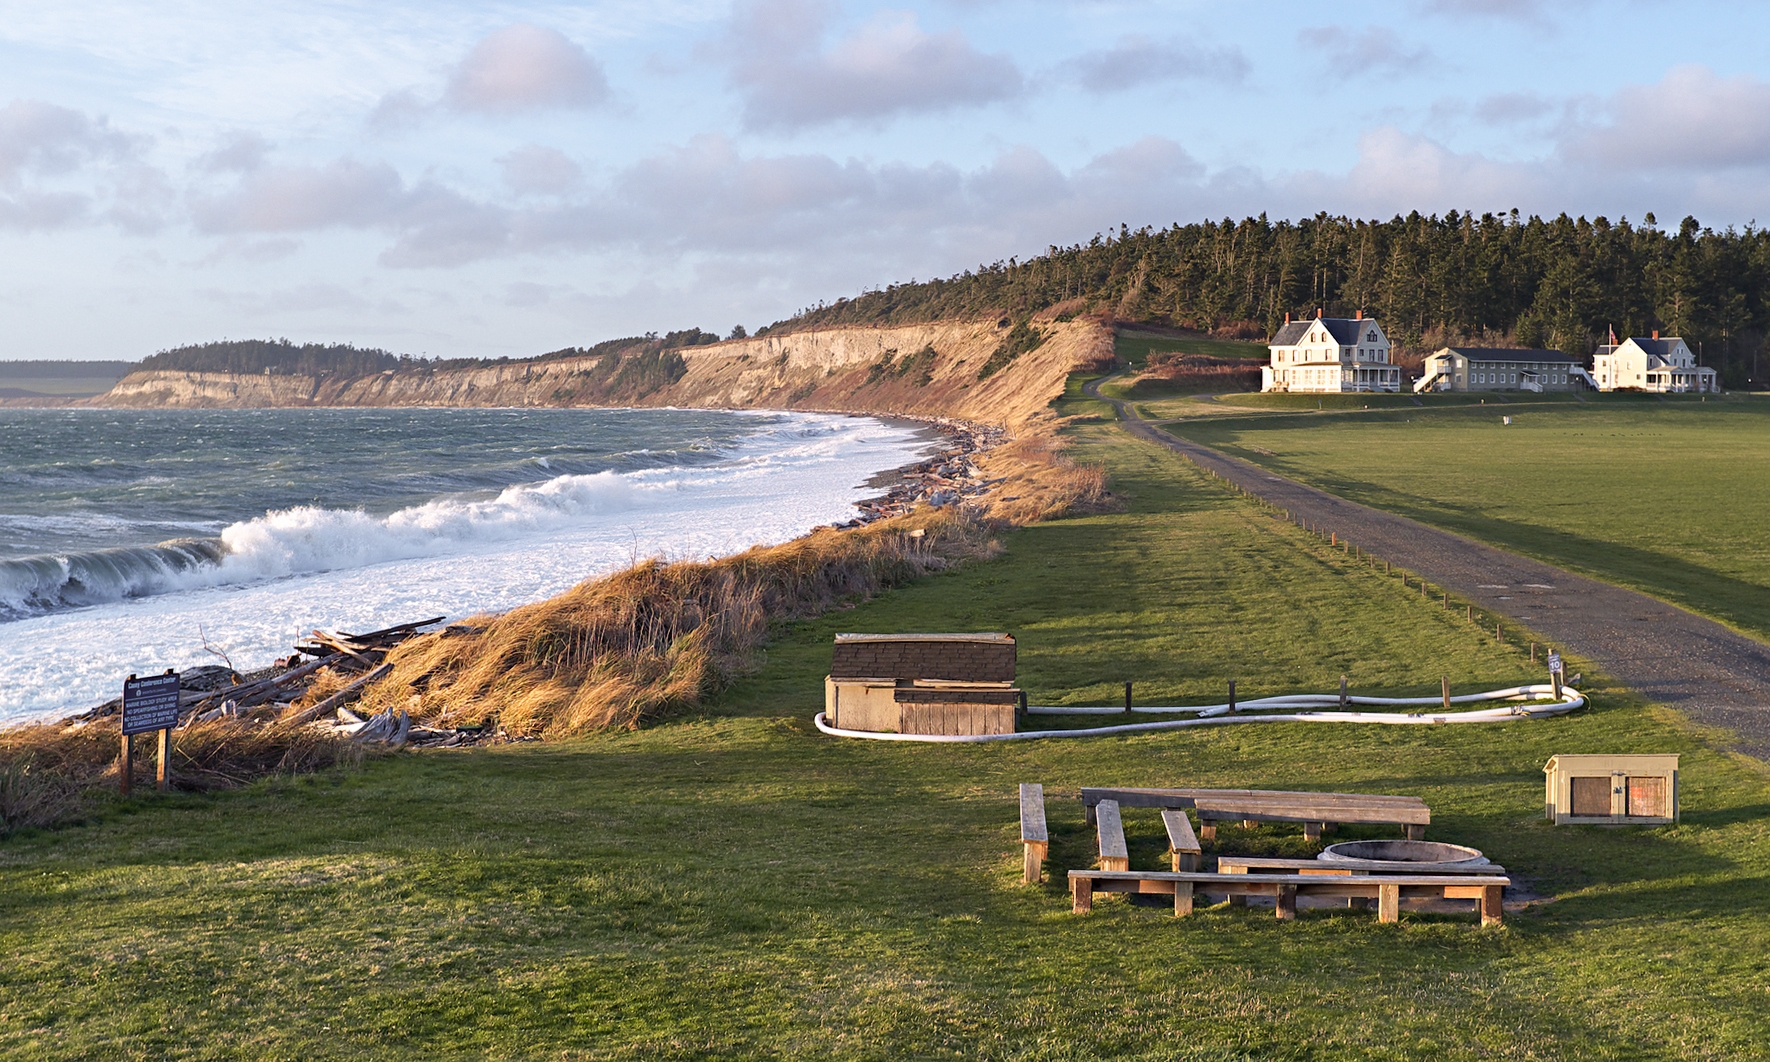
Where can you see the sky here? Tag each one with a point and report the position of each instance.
(503, 178)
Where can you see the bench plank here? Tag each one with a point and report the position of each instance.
(1388, 890)
(1035, 839)
(1183, 844)
(1111, 831)
(1302, 811)
(1139, 797)
(1242, 864)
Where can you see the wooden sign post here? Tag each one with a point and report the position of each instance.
(148, 704)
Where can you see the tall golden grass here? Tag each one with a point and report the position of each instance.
(612, 652)
(616, 651)
(50, 772)
(657, 638)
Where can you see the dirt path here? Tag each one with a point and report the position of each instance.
(1717, 676)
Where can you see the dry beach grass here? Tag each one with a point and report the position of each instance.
(657, 638)
(613, 652)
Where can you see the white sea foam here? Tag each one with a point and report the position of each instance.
(289, 571)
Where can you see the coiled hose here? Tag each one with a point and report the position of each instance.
(1246, 712)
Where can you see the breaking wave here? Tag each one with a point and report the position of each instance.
(308, 539)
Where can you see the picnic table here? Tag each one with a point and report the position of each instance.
(1387, 889)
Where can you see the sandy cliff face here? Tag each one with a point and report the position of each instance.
(883, 370)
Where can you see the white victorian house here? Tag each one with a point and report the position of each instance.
(1330, 355)
(1658, 365)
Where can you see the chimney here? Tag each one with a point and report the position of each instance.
(1656, 333)
(1318, 313)
(1287, 318)
(1358, 315)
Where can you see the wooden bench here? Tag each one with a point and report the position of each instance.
(1316, 811)
(1183, 846)
(1111, 832)
(1387, 890)
(1033, 836)
(1337, 808)
(1244, 864)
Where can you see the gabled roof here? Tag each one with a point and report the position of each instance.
(1508, 354)
(1291, 333)
(1662, 347)
(1344, 329)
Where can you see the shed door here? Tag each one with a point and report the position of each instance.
(1647, 798)
(1591, 797)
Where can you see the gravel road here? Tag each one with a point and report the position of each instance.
(1715, 675)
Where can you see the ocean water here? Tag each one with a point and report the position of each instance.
(128, 538)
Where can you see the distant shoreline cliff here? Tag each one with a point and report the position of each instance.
(919, 370)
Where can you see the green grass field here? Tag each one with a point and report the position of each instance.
(1134, 346)
(738, 886)
(1665, 497)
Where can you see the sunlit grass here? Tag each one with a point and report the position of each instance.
(737, 885)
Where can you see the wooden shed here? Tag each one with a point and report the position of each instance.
(1623, 790)
(922, 683)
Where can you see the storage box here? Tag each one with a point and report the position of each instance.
(1624, 790)
(922, 683)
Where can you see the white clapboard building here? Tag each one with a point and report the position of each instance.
(1501, 369)
(1661, 366)
(1330, 355)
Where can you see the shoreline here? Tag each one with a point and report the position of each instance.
(931, 477)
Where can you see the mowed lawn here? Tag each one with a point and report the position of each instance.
(739, 886)
(1669, 498)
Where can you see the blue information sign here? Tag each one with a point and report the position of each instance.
(150, 703)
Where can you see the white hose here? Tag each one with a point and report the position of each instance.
(1219, 715)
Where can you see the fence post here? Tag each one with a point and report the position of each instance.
(1127, 697)
(1232, 696)
(1342, 691)
(1445, 681)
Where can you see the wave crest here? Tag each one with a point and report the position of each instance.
(306, 539)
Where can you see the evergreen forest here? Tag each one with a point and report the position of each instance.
(1494, 279)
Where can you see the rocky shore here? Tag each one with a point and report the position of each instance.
(947, 477)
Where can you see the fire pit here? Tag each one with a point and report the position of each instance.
(1434, 854)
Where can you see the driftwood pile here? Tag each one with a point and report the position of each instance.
(947, 478)
(219, 693)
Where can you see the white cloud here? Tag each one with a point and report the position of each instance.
(524, 67)
(30, 211)
(537, 170)
(239, 151)
(1137, 60)
(1692, 119)
(1507, 108)
(889, 66)
(42, 138)
(1397, 172)
(299, 198)
(1373, 47)
(41, 142)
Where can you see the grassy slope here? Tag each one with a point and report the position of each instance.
(1135, 346)
(1667, 498)
(740, 886)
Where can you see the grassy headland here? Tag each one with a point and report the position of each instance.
(732, 884)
